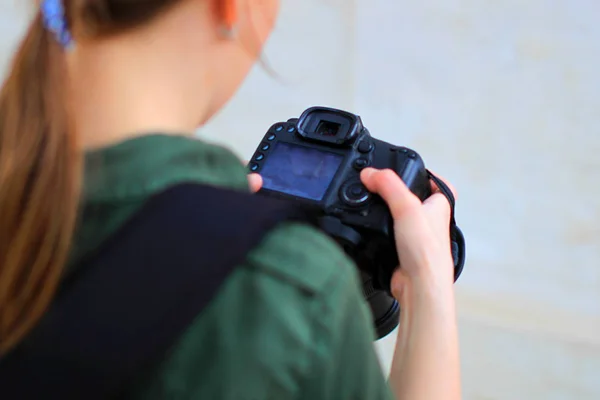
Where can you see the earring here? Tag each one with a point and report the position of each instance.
(228, 32)
(229, 19)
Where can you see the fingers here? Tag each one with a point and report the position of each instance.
(437, 210)
(435, 188)
(255, 182)
(420, 229)
(405, 207)
(437, 206)
(390, 187)
(411, 228)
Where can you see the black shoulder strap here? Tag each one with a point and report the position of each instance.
(139, 292)
(457, 238)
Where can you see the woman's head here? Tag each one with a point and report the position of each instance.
(188, 56)
(135, 66)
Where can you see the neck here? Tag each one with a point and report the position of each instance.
(129, 86)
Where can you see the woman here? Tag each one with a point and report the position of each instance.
(98, 113)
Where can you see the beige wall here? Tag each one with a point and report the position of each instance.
(500, 97)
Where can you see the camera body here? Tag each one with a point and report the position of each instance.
(316, 161)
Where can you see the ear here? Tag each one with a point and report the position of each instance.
(227, 13)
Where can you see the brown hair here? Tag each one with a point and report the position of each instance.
(41, 161)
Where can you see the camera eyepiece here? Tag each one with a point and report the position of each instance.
(330, 126)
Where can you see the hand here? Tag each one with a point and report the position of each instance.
(422, 232)
(254, 181)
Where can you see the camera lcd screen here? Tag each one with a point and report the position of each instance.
(300, 171)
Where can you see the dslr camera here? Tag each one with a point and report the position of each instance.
(315, 161)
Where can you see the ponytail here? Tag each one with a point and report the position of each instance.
(40, 174)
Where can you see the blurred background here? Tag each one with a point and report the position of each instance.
(503, 99)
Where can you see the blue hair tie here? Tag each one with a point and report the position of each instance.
(53, 16)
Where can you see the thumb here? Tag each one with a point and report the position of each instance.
(387, 184)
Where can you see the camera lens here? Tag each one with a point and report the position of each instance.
(385, 309)
(327, 128)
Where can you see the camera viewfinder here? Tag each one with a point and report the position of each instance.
(328, 128)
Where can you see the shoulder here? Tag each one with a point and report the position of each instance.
(266, 325)
(301, 256)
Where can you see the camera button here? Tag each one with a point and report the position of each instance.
(356, 191)
(355, 194)
(259, 157)
(253, 167)
(279, 128)
(291, 129)
(270, 138)
(361, 163)
(265, 147)
(365, 146)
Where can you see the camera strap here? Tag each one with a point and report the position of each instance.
(457, 239)
(127, 304)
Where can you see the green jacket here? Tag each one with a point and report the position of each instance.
(290, 323)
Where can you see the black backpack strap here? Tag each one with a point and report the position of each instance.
(457, 239)
(136, 295)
